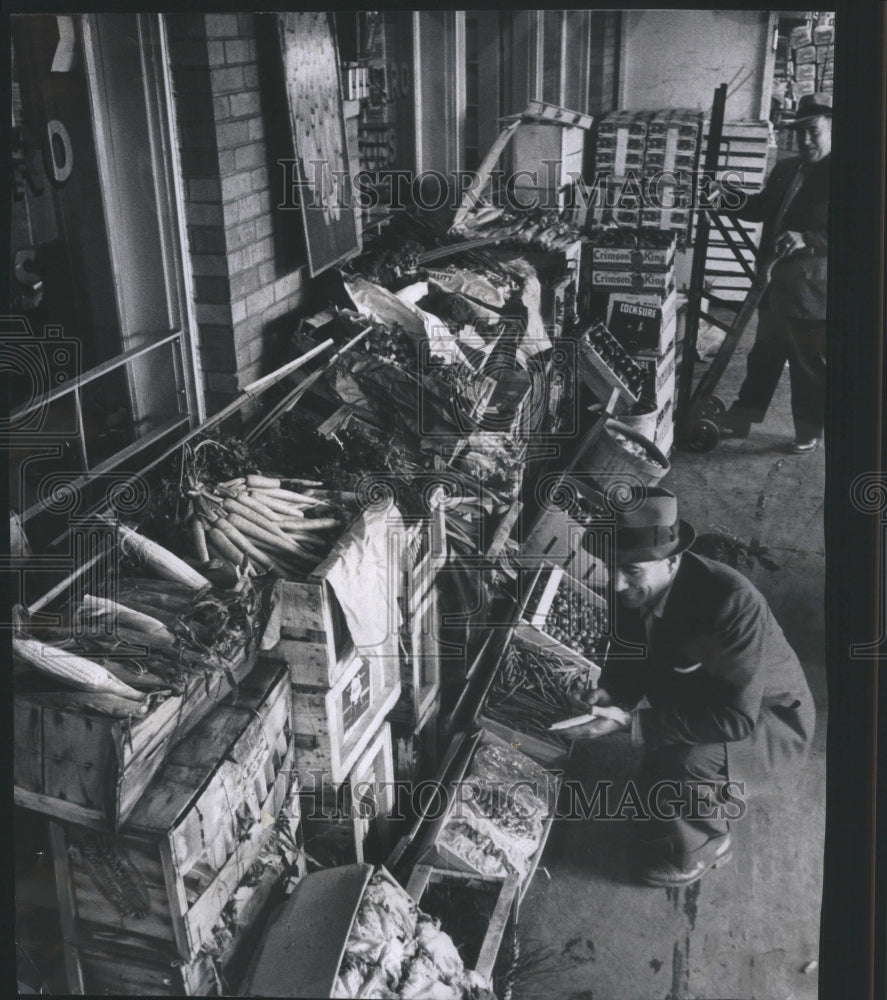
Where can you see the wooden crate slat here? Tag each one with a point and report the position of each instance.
(91, 905)
(202, 916)
(28, 745)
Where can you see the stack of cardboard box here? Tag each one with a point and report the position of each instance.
(628, 280)
(813, 61)
(649, 159)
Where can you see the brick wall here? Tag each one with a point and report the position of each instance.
(246, 259)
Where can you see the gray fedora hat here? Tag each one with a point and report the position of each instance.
(649, 527)
(811, 106)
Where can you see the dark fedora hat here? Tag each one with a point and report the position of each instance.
(648, 528)
(811, 106)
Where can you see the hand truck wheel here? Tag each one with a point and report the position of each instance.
(704, 435)
(713, 408)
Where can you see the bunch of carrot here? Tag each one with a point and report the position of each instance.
(258, 526)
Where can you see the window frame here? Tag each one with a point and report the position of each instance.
(164, 152)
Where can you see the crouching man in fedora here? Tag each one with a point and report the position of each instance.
(717, 693)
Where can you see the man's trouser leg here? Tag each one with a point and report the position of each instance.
(679, 786)
(764, 367)
(807, 369)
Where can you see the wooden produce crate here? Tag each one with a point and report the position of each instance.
(315, 641)
(530, 628)
(602, 380)
(427, 877)
(549, 751)
(91, 769)
(116, 962)
(338, 820)
(420, 654)
(197, 828)
(333, 727)
(555, 537)
(436, 854)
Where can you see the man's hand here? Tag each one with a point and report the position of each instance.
(599, 697)
(789, 242)
(610, 719)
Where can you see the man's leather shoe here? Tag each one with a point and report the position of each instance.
(803, 446)
(716, 853)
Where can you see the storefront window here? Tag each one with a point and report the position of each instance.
(96, 245)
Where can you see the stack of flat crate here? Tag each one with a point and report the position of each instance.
(162, 906)
(619, 151)
(650, 158)
(742, 160)
(813, 57)
(633, 282)
(670, 161)
(341, 697)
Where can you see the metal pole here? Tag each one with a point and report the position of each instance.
(697, 275)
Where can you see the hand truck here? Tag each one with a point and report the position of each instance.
(699, 411)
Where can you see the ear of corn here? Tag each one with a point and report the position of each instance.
(100, 607)
(161, 560)
(75, 670)
(108, 704)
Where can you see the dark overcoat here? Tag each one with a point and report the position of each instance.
(717, 669)
(799, 283)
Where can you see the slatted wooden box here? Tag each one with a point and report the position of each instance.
(531, 627)
(199, 825)
(339, 819)
(420, 653)
(555, 537)
(90, 769)
(435, 853)
(332, 728)
(504, 891)
(116, 962)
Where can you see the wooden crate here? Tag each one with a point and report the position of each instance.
(436, 854)
(91, 769)
(338, 820)
(420, 653)
(504, 910)
(199, 825)
(115, 962)
(602, 380)
(555, 537)
(332, 728)
(530, 627)
(315, 641)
